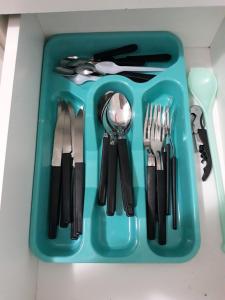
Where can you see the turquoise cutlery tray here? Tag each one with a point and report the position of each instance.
(116, 239)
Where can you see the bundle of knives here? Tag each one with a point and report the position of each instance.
(66, 200)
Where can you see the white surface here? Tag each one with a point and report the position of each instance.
(201, 278)
(33, 6)
(195, 26)
(18, 268)
(6, 88)
(218, 61)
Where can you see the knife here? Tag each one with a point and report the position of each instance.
(54, 201)
(77, 131)
(65, 214)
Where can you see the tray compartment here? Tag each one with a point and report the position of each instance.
(180, 242)
(112, 236)
(62, 245)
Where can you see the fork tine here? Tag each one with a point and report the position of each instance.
(154, 118)
(146, 123)
(150, 123)
(164, 122)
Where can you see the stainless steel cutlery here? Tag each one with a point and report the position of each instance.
(81, 70)
(158, 144)
(115, 114)
(67, 172)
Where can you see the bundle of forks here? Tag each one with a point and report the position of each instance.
(160, 171)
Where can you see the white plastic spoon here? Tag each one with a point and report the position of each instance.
(109, 67)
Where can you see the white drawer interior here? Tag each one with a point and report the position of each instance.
(201, 31)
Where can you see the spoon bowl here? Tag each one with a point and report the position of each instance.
(203, 85)
(119, 113)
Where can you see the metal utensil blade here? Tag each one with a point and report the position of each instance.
(58, 136)
(79, 136)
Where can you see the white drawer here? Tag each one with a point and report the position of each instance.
(201, 32)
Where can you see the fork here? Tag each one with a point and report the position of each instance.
(151, 177)
(166, 153)
(157, 137)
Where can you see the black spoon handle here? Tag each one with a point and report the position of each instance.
(126, 177)
(112, 172)
(103, 171)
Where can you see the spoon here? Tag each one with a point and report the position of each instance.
(73, 61)
(80, 79)
(105, 147)
(85, 69)
(119, 115)
(203, 86)
(109, 67)
(82, 69)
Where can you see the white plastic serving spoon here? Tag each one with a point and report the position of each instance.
(109, 67)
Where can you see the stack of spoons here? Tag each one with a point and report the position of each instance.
(115, 114)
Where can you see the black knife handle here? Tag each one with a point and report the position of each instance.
(74, 234)
(114, 52)
(112, 174)
(78, 200)
(126, 177)
(205, 153)
(103, 171)
(66, 165)
(54, 202)
(125, 61)
(138, 77)
(161, 200)
(151, 202)
(164, 57)
(141, 60)
(174, 193)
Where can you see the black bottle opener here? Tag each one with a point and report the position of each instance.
(201, 139)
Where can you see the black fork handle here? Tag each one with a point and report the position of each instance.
(161, 201)
(151, 202)
(174, 193)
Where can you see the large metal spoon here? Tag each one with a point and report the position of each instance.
(119, 116)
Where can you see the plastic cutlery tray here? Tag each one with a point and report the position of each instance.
(118, 238)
